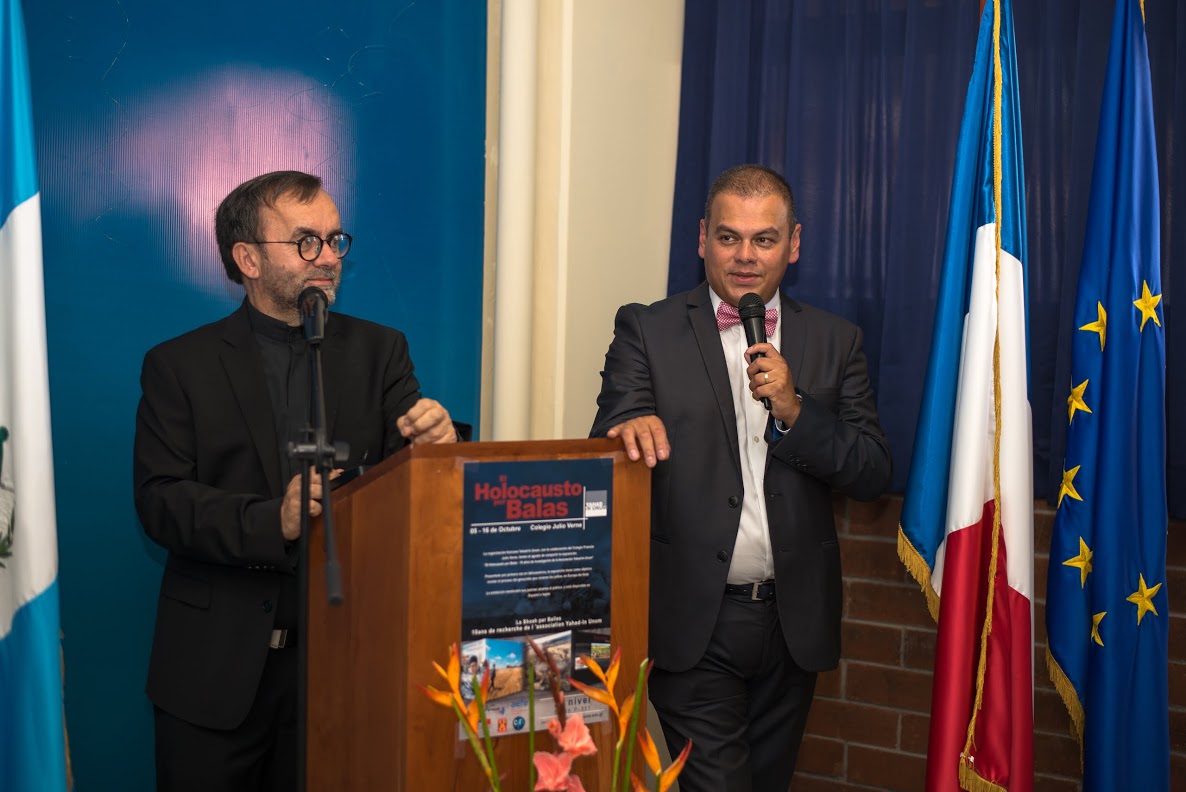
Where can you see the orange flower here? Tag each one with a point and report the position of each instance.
(453, 674)
(452, 698)
(553, 771)
(441, 697)
(472, 715)
(597, 694)
(608, 678)
(649, 751)
(574, 737)
(468, 714)
(651, 754)
(624, 718)
(668, 776)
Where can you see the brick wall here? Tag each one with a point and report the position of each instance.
(868, 725)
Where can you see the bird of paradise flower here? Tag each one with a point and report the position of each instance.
(627, 716)
(468, 714)
(571, 734)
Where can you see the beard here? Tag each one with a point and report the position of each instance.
(282, 287)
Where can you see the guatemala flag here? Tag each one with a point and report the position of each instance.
(1107, 610)
(32, 734)
(967, 519)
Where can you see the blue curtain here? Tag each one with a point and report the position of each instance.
(858, 103)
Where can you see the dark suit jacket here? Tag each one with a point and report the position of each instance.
(208, 489)
(666, 359)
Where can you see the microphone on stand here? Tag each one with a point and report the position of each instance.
(311, 306)
(315, 450)
(752, 310)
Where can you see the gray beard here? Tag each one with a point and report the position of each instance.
(282, 289)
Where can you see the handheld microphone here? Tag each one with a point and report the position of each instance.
(311, 307)
(752, 310)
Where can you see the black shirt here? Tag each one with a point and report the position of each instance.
(282, 350)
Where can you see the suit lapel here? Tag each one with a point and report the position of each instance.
(792, 338)
(792, 341)
(241, 361)
(709, 339)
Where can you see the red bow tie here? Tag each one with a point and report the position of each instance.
(727, 317)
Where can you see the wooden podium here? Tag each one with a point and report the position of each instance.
(399, 541)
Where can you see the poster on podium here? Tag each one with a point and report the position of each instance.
(536, 563)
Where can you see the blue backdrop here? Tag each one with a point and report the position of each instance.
(858, 103)
(146, 114)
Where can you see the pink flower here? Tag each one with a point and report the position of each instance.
(574, 738)
(575, 785)
(553, 771)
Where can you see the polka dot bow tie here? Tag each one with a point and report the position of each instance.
(727, 317)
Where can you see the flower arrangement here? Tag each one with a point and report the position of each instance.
(552, 771)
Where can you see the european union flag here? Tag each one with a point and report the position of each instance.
(1107, 608)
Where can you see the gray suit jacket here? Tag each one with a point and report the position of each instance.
(666, 360)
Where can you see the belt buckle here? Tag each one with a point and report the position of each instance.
(279, 639)
(754, 591)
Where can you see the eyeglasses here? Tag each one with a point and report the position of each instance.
(309, 246)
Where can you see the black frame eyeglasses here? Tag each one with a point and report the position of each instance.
(309, 246)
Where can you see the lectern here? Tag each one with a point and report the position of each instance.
(399, 540)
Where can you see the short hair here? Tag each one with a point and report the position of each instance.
(752, 181)
(237, 218)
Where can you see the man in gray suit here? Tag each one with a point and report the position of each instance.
(745, 600)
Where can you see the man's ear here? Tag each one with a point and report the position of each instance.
(794, 255)
(247, 257)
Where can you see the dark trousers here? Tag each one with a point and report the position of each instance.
(260, 755)
(743, 706)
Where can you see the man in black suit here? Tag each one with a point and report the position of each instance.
(745, 597)
(215, 487)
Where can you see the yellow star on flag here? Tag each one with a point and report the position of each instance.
(1068, 486)
(1143, 599)
(1100, 325)
(1081, 561)
(1095, 627)
(1147, 305)
(1075, 401)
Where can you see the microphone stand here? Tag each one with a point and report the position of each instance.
(314, 451)
(317, 451)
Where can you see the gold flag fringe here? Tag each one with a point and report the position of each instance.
(916, 565)
(971, 781)
(1066, 691)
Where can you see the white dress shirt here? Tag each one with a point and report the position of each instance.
(752, 559)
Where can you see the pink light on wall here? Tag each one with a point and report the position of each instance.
(173, 153)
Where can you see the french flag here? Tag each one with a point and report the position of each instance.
(32, 734)
(966, 532)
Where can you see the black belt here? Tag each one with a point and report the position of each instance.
(763, 590)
